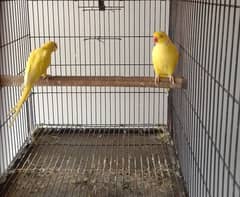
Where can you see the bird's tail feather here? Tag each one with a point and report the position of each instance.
(15, 110)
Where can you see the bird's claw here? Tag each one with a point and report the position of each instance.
(171, 79)
(157, 80)
(46, 76)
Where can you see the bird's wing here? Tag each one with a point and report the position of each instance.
(155, 59)
(30, 62)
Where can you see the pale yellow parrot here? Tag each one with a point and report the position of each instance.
(164, 57)
(37, 64)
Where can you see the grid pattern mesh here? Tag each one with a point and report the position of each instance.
(116, 40)
(97, 162)
(206, 116)
(14, 50)
(93, 42)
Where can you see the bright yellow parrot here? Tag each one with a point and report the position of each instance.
(164, 57)
(37, 64)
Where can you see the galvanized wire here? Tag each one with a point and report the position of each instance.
(116, 41)
(205, 116)
(91, 42)
(14, 49)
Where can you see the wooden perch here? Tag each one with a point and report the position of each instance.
(96, 81)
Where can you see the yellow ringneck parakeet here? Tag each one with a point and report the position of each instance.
(37, 64)
(164, 57)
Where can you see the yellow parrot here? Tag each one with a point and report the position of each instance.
(164, 57)
(37, 64)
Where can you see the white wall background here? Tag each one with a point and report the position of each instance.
(73, 25)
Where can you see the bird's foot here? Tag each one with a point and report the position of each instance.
(157, 80)
(45, 76)
(171, 79)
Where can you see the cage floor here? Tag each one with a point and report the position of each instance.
(96, 162)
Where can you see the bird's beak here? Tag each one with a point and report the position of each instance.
(155, 39)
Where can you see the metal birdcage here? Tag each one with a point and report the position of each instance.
(98, 126)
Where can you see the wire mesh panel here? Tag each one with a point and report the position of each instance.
(114, 41)
(111, 39)
(14, 49)
(206, 116)
(97, 162)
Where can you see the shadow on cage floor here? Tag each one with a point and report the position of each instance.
(96, 162)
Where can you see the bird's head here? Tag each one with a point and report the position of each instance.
(52, 46)
(159, 37)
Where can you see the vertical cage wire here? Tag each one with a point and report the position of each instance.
(91, 42)
(116, 41)
(14, 50)
(205, 117)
